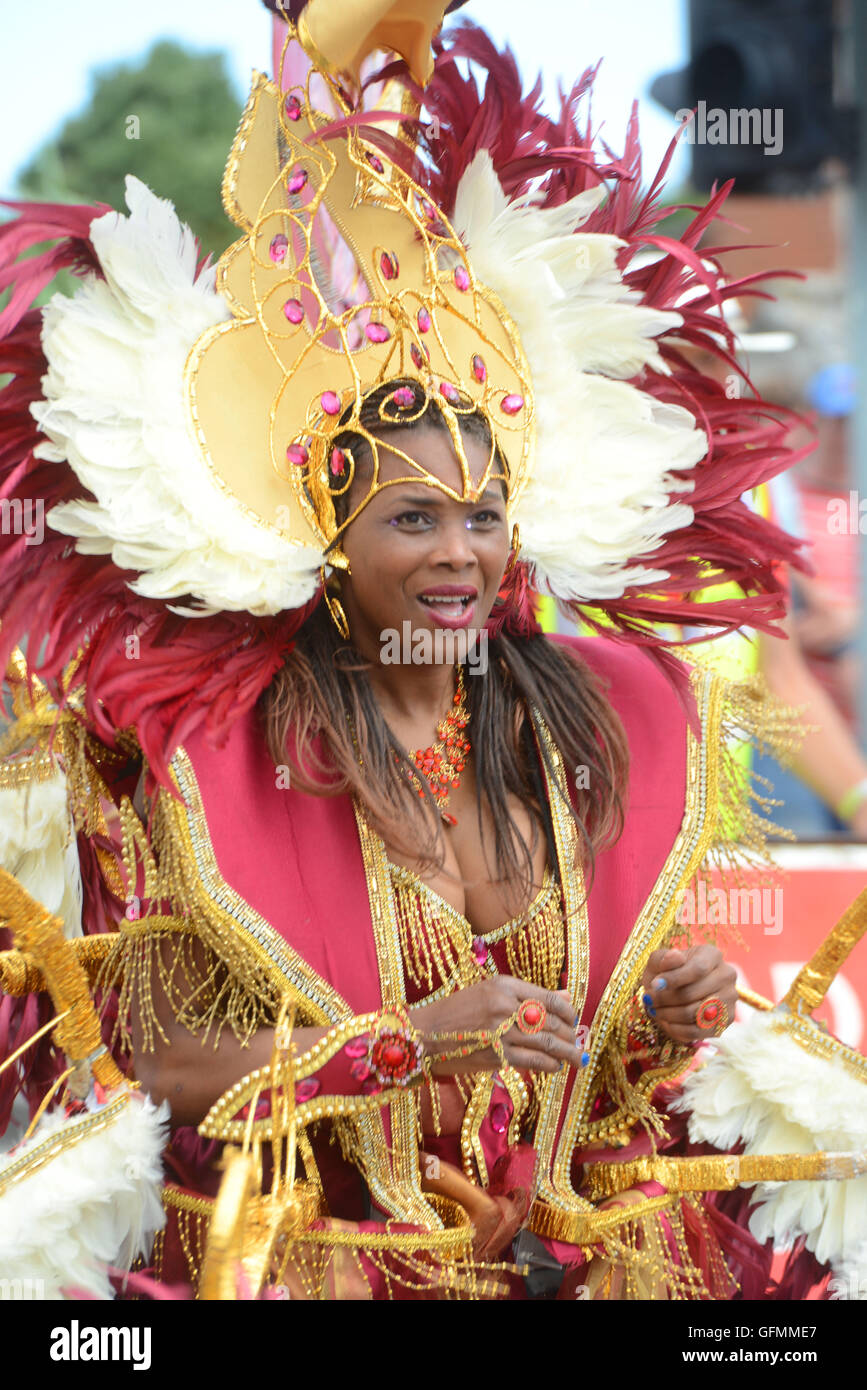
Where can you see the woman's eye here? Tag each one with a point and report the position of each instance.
(487, 518)
(417, 519)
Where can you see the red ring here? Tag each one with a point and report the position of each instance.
(531, 1016)
(712, 1014)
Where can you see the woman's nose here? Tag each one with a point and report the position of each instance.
(454, 545)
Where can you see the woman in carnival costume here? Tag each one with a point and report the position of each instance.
(378, 871)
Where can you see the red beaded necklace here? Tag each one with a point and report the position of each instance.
(442, 762)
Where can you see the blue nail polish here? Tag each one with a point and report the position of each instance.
(585, 1058)
(647, 1001)
(661, 982)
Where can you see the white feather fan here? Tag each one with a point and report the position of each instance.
(762, 1089)
(114, 408)
(602, 481)
(96, 1203)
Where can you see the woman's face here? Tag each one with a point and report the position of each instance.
(418, 555)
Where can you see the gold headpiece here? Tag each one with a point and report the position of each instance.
(270, 389)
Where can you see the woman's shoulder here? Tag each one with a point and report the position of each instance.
(638, 684)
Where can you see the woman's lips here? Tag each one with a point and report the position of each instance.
(451, 612)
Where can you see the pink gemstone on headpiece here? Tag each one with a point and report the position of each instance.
(278, 248)
(501, 1113)
(292, 107)
(338, 465)
(307, 1088)
(404, 397)
(462, 279)
(480, 371)
(294, 310)
(375, 162)
(357, 1047)
(377, 333)
(423, 320)
(450, 392)
(297, 181)
(330, 402)
(480, 950)
(512, 404)
(388, 264)
(417, 355)
(296, 453)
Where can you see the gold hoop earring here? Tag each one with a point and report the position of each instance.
(338, 561)
(335, 608)
(516, 546)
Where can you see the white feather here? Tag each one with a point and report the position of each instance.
(602, 482)
(38, 847)
(96, 1203)
(764, 1090)
(114, 408)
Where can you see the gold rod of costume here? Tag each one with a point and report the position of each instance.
(40, 934)
(722, 1172)
(812, 983)
(755, 1001)
(20, 974)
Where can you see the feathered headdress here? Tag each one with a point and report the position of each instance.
(178, 427)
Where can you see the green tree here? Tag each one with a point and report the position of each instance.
(169, 119)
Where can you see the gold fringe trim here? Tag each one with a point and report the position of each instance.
(752, 719)
(643, 1254)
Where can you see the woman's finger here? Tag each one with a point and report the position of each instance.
(722, 982)
(545, 1044)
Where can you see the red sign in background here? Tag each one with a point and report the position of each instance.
(816, 884)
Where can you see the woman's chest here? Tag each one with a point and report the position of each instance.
(481, 887)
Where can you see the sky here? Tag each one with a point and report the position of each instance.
(49, 53)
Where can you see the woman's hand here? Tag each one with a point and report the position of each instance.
(486, 1006)
(676, 982)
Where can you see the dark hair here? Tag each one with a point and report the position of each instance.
(320, 714)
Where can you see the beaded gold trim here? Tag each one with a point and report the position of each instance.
(73, 1132)
(653, 923)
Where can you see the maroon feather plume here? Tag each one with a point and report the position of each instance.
(483, 106)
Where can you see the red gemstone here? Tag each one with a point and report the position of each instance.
(394, 1054)
(501, 1113)
(417, 355)
(449, 818)
(404, 397)
(296, 453)
(480, 371)
(423, 318)
(371, 1086)
(531, 1013)
(297, 181)
(338, 461)
(278, 248)
(512, 404)
(377, 333)
(307, 1089)
(450, 392)
(480, 950)
(356, 1047)
(375, 162)
(294, 310)
(330, 402)
(388, 264)
(292, 107)
(462, 279)
(359, 1070)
